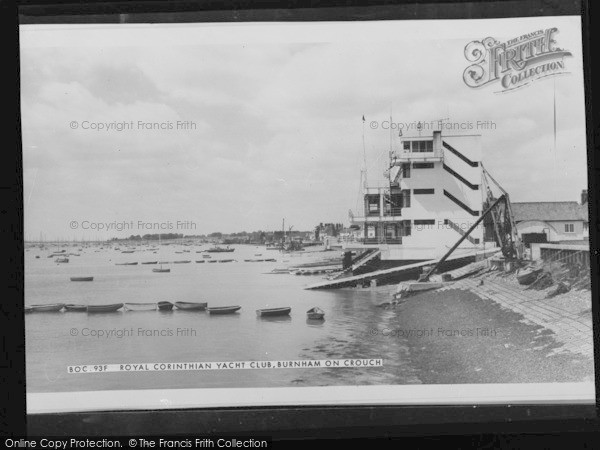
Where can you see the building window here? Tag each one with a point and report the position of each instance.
(405, 229)
(372, 204)
(405, 170)
(428, 165)
(406, 198)
(425, 222)
(569, 228)
(423, 191)
(418, 146)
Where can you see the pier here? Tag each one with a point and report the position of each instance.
(401, 273)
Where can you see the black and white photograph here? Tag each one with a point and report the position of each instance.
(241, 214)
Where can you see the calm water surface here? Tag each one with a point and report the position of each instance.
(56, 340)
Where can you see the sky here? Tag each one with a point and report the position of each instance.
(274, 114)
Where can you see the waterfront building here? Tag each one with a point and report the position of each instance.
(431, 197)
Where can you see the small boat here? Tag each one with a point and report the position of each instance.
(82, 278)
(213, 261)
(220, 250)
(270, 312)
(191, 306)
(181, 262)
(128, 251)
(75, 308)
(161, 270)
(104, 308)
(315, 313)
(206, 256)
(126, 264)
(165, 306)
(150, 262)
(528, 275)
(201, 261)
(37, 256)
(225, 260)
(140, 306)
(53, 307)
(61, 260)
(223, 309)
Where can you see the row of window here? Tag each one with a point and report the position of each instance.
(405, 167)
(418, 146)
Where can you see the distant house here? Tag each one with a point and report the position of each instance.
(552, 221)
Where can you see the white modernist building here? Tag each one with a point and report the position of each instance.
(434, 195)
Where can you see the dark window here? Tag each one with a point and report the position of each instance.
(428, 165)
(372, 204)
(425, 222)
(405, 170)
(423, 191)
(406, 228)
(406, 145)
(406, 198)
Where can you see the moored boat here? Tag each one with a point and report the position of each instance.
(82, 278)
(75, 308)
(61, 260)
(150, 262)
(161, 270)
(315, 313)
(271, 312)
(165, 306)
(223, 309)
(52, 307)
(140, 306)
(126, 264)
(191, 306)
(113, 307)
(220, 250)
(181, 262)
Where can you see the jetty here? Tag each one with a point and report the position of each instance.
(403, 273)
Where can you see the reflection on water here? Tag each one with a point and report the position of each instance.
(55, 341)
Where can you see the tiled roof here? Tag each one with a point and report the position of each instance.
(549, 211)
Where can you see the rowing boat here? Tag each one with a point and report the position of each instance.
(191, 306)
(127, 264)
(52, 307)
(223, 309)
(140, 306)
(82, 278)
(150, 262)
(75, 308)
(104, 308)
(315, 313)
(270, 312)
(165, 306)
(161, 270)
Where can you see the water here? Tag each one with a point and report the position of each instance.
(57, 340)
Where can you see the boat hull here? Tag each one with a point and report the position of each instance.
(82, 278)
(76, 308)
(161, 270)
(223, 310)
(56, 307)
(189, 306)
(104, 308)
(140, 306)
(165, 306)
(273, 312)
(315, 314)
